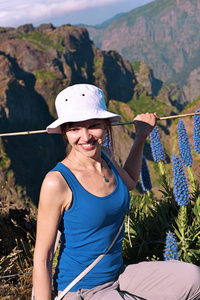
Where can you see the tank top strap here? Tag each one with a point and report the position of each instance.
(68, 175)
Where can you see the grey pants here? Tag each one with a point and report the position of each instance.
(160, 280)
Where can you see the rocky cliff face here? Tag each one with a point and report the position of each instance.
(68, 53)
(164, 34)
(37, 63)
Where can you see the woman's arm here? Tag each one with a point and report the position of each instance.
(54, 197)
(144, 124)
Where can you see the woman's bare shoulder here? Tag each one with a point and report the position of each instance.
(55, 189)
(54, 180)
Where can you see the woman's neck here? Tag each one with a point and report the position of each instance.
(86, 161)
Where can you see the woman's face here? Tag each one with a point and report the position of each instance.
(87, 136)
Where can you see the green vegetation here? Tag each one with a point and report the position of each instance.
(152, 217)
(98, 62)
(4, 162)
(4, 159)
(152, 214)
(122, 109)
(43, 75)
(192, 104)
(41, 40)
(136, 66)
(17, 225)
(98, 70)
(146, 103)
(38, 39)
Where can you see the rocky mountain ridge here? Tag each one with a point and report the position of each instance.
(37, 63)
(164, 34)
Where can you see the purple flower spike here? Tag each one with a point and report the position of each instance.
(156, 146)
(145, 176)
(180, 182)
(171, 248)
(196, 132)
(184, 145)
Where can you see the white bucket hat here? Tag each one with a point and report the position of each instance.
(80, 102)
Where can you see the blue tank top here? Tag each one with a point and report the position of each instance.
(87, 230)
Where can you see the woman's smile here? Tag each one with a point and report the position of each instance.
(87, 146)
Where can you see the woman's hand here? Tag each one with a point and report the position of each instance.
(144, 124)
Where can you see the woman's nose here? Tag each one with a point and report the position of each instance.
(85, 134)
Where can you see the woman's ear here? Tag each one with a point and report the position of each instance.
(100, 141)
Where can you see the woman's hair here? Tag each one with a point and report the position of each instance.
(64, 128)
(108, 139)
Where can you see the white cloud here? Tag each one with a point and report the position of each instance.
(15, 13)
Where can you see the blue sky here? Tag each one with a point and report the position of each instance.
(14, 13)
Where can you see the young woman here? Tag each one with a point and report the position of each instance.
(86, 197)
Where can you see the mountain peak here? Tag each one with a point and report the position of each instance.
(165, 34)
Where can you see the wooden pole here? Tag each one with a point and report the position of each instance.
(162, 118)
(22, 133)
(113, 124)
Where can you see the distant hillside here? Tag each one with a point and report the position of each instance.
(103, 24)
(165, 34)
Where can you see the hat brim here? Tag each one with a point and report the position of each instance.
(55, 126)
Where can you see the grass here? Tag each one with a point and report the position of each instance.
(136, 66)
(98, 69)
(43, 75)
(41, 40)
(146, 103)
(17, 239)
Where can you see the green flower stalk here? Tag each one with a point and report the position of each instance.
(182, 232)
